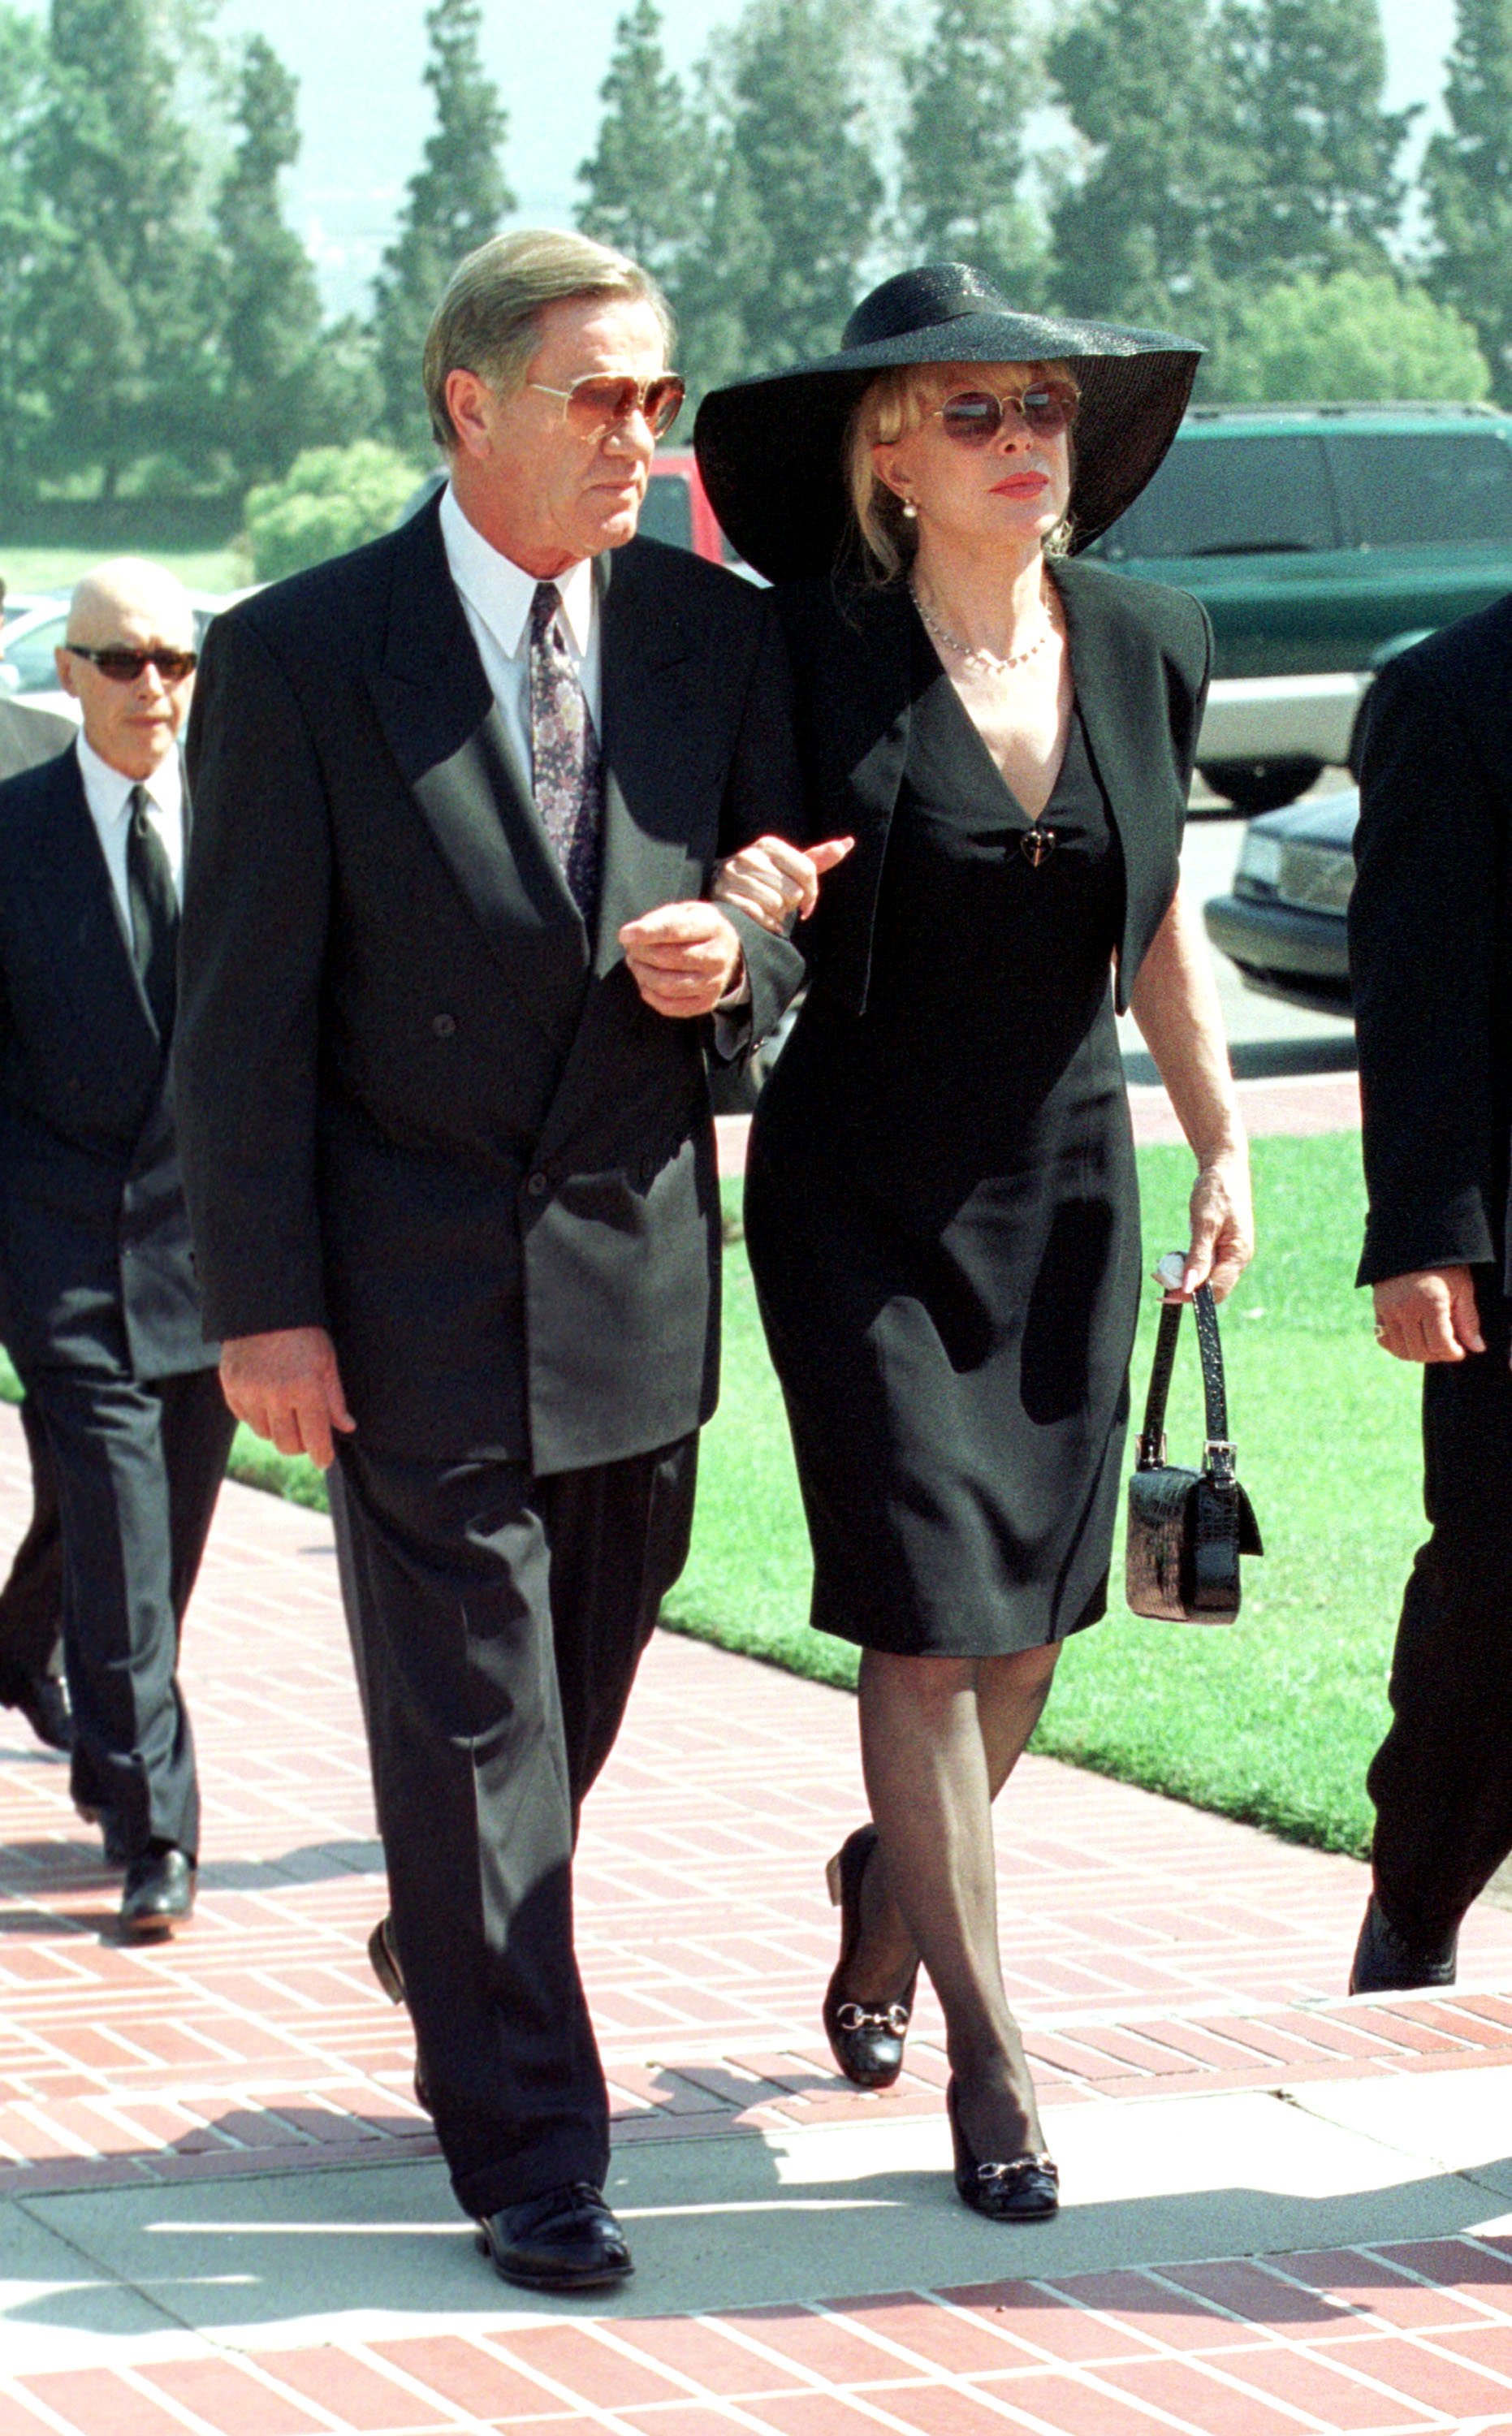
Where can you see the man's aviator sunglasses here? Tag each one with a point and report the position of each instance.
(599, 400)
(119, 661)
(974, 416)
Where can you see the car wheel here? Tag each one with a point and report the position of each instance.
(1261, 786)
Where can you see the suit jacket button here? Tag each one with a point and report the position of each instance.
(535, 1183)
(444, 1026)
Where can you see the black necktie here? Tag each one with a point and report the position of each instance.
(154, 913)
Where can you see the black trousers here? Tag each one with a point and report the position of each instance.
(498, 1621)
(138, 1466)
(32, 1601)
(1442, 1780)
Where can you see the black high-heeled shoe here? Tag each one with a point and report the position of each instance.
(384, 1955)
(866, 2040)
(1026, 2187)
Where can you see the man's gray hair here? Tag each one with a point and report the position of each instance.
(488, 320)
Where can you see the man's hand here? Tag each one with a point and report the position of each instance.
(285, 1385)
(1429, 1315)
(777, 884)
(684, 958)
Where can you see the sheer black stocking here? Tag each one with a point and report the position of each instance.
(940, 1737)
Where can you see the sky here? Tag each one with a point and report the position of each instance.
(365, 113)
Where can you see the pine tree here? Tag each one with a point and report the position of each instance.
(455, 202)
(1323, 194)
(1468, 183)
(30, 237)
(284, 384)
(802, 177)
(123, 311)
(970, 90)
(643, 178)
(1143, 82)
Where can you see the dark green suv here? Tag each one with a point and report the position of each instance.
(1321, 540)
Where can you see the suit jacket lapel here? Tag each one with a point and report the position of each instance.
(452, 749)
(656, 744)
(76, 898)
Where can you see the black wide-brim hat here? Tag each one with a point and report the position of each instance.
(770, 449)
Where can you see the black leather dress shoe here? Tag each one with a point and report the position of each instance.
(564, 2240)
(43, 1700)
(1384, 1961)
(1026, 2187)
(866, 2039)
(158, 1894)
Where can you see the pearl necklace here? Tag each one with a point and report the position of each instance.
(995, 663)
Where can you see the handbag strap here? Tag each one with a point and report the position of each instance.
(1218, 1452)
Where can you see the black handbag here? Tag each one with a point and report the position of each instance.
(1187, 1530)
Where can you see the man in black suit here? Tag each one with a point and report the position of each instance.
(32, 1601)
(446, 970)
(104, 1320)
(1430, 953)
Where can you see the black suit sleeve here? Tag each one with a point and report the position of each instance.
(1430, 853)
(763, 796)
(252, 953)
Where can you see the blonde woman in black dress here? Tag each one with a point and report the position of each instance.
(942, 1208)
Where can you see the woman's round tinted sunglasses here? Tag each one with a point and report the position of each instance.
(600, 400)
(119, 661)
(974, 416)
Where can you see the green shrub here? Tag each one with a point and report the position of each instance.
(1359, 335)
(328, 501)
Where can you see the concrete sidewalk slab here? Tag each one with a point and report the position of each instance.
(717, 2226)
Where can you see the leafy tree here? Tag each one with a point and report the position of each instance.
(970, 89)
(331, 499)
(284, 384)
(121, 311)
(1468, 183)
(1323, 193)
(799, 179)
(1145, 84)
(30, 232)
(1358, 335)
(455, 200)
(643, 178)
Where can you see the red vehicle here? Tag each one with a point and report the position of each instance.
(676, 508)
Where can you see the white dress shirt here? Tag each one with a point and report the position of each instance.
(107, 794)
(496, 597)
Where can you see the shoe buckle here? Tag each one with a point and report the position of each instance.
(873, 2017)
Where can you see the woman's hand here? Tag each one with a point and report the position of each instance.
(1223, 1226)
(776, 884)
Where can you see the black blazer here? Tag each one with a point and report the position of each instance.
(1430, 950)
(28, 736)
(94, 1236)
(1140, 656)
(419, 1106)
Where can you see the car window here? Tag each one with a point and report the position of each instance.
(1239, 494)
(667, 512)
(1434, 486)
(31, 653)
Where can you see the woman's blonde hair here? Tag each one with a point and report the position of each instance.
(895, 401)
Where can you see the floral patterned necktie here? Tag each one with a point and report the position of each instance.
(568, 770)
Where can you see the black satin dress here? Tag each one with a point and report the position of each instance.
(942, 1219)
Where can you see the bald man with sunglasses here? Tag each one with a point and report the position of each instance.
(104, 1321)
(452, 985)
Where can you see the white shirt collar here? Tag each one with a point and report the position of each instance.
(108, 791)
(502, 593)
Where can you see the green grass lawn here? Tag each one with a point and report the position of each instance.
(1273, 1719)
(38, 569)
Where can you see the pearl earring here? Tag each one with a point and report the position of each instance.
(909, 509)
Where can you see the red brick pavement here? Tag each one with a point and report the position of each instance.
(1403, 2339)
(1152, 1949)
